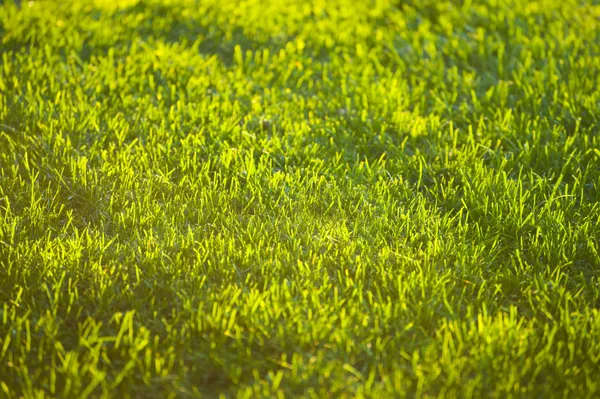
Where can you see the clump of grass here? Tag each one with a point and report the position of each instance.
(299, 199)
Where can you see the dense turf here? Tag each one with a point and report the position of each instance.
(275, 198)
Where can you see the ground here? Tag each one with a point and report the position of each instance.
(300, 198)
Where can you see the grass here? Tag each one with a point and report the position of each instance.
(300, 199)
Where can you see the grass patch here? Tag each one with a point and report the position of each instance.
(300, 199)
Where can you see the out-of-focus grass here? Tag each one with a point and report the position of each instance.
(299, 198)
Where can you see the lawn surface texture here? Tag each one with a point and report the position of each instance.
(299, 199)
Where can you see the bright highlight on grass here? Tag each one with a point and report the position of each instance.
(299, 199)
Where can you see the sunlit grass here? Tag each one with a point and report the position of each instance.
(301, 199)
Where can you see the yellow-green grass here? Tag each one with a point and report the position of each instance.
(299, 198)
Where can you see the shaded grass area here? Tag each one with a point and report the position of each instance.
(269, 199)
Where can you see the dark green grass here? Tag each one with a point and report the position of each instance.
(301, 199)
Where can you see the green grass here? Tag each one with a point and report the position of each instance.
(300, 199)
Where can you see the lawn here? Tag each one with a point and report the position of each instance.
(272, 198)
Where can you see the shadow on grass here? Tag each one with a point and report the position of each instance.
(165, 23)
